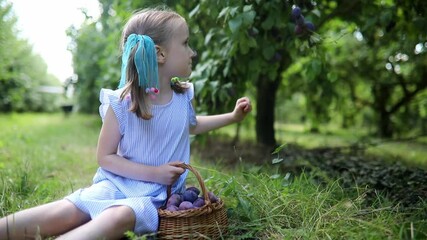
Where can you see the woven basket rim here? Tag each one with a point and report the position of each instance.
(205, 209)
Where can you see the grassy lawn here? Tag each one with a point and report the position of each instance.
(44, 157)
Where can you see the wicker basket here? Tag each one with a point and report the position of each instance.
(206, 222)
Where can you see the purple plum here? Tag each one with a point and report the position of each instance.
(296, 12)
(175, 199)
(185, 205)
(310, 26)
(176, 196)
(298, 30)
(200, 202)
(194, 189)
(212, 197)
(189, 196)
(300, 20)
(172, 208)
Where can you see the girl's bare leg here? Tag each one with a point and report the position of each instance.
(112, 223)
(50, 219)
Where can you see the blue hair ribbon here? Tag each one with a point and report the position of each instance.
(145, 61)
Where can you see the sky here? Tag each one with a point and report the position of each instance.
(44, 22)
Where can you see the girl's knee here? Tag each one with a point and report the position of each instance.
(123, 215)
(70, 213)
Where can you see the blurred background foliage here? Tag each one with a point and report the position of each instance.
(22, 72)
(364, 66)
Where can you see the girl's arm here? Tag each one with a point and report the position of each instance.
(208, 123)
(108, 159)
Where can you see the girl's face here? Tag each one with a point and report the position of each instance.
(178, 54)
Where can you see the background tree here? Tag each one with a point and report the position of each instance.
(318, 76)
(386, 59)
(253, 43)
(22, 72)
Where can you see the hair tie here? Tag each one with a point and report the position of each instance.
(174, 80)
(145, 61)
(152, 92)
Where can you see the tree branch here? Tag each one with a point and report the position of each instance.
(408, 97)
(401, 81)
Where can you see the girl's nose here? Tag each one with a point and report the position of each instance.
(194, 54)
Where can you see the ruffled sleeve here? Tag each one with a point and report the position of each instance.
(109, 97)
(192, 114)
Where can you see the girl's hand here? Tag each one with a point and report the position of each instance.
(242, 108)
(169, 173)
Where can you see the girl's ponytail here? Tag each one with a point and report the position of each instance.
(139, 73)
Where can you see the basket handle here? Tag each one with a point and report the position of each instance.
(199, 179)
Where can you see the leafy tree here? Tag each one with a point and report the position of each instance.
(251, 43)
(244, 46)
(386, 59)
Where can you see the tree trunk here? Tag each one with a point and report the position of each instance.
(265, 105)
(384, 125)
(382, 96)
(424, 126)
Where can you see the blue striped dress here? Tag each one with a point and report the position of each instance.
(162, 139)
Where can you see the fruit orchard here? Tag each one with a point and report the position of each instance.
(352, 64)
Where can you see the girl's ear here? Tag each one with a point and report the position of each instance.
(161, 54)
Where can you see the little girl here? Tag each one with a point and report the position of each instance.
(145, 133)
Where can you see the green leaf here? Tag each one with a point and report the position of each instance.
(279, 148)
(268, 23)
(287, 176)
(247, 8)
(223, 12)
(248, 17)
(316, 12)
(252, 43)
(275, 176)
(214, 84)
(210, 34)
(235, 23)
(285, 181)
(244, 48)
(200, 84)
(316, 67)
(268, 52)
(277, 160)
(244, 204)
(233, 11)
(194, 11)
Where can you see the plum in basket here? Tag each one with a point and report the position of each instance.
(200, 202)
(194, 189)
(189, 196)
(185, 205)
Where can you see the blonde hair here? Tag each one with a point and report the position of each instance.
(157, 23)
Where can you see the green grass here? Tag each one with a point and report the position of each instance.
(266, 205)
(44, 157)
